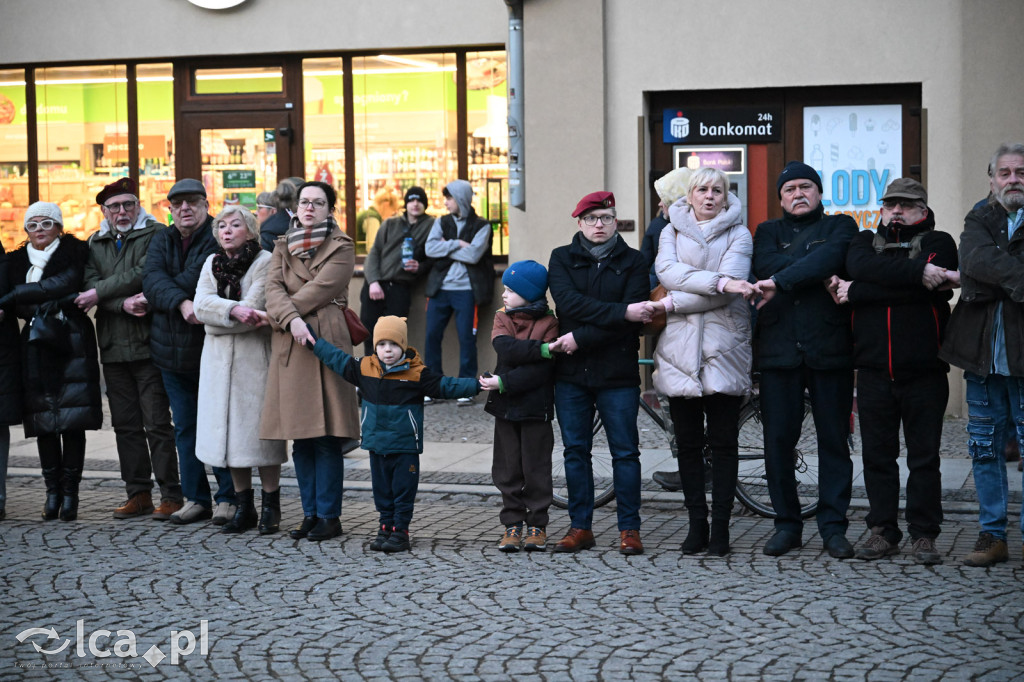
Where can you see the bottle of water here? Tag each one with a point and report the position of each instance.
(407, 251)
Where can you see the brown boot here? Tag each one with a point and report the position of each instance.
(988, 551)
(575, 540)
(139, 504)
(166, 508)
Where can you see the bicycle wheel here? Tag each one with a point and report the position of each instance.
(752, 483)
(601, 463)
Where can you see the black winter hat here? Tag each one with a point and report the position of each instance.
(796, 170)
(416, 193)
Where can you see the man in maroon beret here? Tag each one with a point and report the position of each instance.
(139, 408)
(600, 288)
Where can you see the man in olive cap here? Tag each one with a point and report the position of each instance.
(899, 288)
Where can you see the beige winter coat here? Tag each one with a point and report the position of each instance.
(233, 374)
(305, 399)
(705, 347)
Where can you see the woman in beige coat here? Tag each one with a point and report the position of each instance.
(306, 402)
(231, 302)
(704, 355)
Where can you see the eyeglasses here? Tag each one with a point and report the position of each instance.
(591, 220)
(36, 226)
(315, 203)
(904, 203)
(266, 207)
(194, 201)
(117, 207)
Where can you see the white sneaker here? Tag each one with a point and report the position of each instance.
(190, 513)
(225, 512)
(427, 400)
(464, 401)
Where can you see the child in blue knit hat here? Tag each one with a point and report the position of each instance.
(522, 396)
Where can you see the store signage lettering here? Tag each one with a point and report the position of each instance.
(735, 124)
(858, 151)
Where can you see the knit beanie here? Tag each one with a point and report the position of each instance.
(796, 170)
(44, 209)
(416, 193)
(527, 278)
(391, 328)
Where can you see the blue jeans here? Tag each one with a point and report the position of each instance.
(994, 403)
(183, 394)
(439, 311)
(395, 481)
(618, 407)
(320, 472)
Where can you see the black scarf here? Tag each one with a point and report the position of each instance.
(229, 271)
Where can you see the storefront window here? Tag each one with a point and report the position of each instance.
(82, 115)
(13, 157)
(238, 163)
(487, 104)
(405, 129)
(324, 131)
(238, 81)
(156, 137)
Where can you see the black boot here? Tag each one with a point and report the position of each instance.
(73, 461)
(270, 514)
(719, 543)
(49, 461)
(697, 538)
(245, 513)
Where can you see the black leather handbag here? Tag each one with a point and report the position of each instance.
(49, 328)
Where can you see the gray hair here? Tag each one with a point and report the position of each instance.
(1005, 149)
(265, 199)
(252, 226)
(286, 196)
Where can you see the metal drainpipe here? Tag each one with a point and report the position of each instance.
(516, 189)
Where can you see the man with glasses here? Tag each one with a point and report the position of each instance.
(396, 258)
(461, 278)
(173, 264)
(139, 409)
(986, 338)
(899, 289)
(600, 288)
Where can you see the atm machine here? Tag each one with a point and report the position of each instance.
(731, 159)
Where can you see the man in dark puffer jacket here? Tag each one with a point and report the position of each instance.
(173, 263)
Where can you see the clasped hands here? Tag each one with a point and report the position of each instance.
(934, 278)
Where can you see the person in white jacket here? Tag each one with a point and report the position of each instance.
(703, 359)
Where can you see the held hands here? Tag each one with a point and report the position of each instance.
(564, 344)
(488, 382)
(839, 289)
(249, 316)
(136, 305)
(952, 281)
(87, 299)
(642, 311)
(741, 287)
(376, 292)
(301, 333)
(766, 289)
(188, 312)
(940, 279)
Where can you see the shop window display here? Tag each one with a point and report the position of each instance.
(13, 157)
(324, 126)
(155, 112)
(487, 104)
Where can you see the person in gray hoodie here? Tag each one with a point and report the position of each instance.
(461, 279)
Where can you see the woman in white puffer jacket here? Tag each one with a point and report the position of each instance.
(703, 358)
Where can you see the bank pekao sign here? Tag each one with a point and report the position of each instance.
(735, 124)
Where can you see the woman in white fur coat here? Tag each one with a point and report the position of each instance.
(231, 302)
(703, 359)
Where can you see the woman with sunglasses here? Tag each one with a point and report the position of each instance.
(60, 398)
(307, 284)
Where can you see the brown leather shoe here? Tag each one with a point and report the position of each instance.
(575, 540)
(629, 542)
(139, 504)
(166, 508)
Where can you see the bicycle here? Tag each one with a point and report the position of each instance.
(751, 485)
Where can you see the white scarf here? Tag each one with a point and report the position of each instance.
(39, 258)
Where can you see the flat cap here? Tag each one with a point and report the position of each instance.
(186, 186)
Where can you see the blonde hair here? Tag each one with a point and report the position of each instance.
(252, 225)
(707, 176)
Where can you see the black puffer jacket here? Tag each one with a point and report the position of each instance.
(60, 392)
(898, 324)
(169, 279)
(10, 357)
(801, 324)
(591, 303)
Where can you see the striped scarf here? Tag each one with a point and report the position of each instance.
(303, 242)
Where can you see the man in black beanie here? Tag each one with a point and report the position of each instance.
(804, 343)
(395, 260)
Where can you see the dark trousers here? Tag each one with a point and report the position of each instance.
(397, 301)
(440, 309)
(920, 404)
(320, 473)
(141, 416)
(522, 470)
(723, 430)
(395, 480)
(782, 407)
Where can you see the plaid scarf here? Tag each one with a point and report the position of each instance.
(303, 242)
(229, 271)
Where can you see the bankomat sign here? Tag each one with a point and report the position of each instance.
(735, 124)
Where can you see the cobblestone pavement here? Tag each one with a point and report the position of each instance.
(455, 608)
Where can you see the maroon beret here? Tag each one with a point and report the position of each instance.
(120, 186)
(593, 201)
